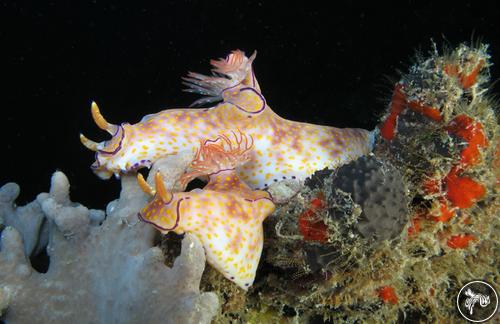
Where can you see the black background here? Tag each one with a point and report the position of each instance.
(328, 62)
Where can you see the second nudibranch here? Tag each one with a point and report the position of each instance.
(226, 215)
(284, 149)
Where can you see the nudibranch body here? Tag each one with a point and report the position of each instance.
(283, 148)
(226, 214)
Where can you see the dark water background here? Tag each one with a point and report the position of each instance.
(328, 64)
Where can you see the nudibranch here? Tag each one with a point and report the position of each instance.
(284, 149)
(226, 215)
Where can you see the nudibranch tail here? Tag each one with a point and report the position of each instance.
(223, 153)
(229, 72)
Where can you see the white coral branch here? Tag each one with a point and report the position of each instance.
(110, 273)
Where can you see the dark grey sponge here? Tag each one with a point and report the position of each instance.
(378, 188)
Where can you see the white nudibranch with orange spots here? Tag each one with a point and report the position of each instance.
(226, 215)
(283, 149)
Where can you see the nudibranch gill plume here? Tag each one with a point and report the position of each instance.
(283, 149)
(226, 215)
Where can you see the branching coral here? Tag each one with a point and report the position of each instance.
(108, 273)
(28, 220)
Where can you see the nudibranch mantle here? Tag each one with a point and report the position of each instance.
(226, 215)
(283, 149)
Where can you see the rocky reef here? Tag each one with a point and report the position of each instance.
(389, 237)
(104, 267)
